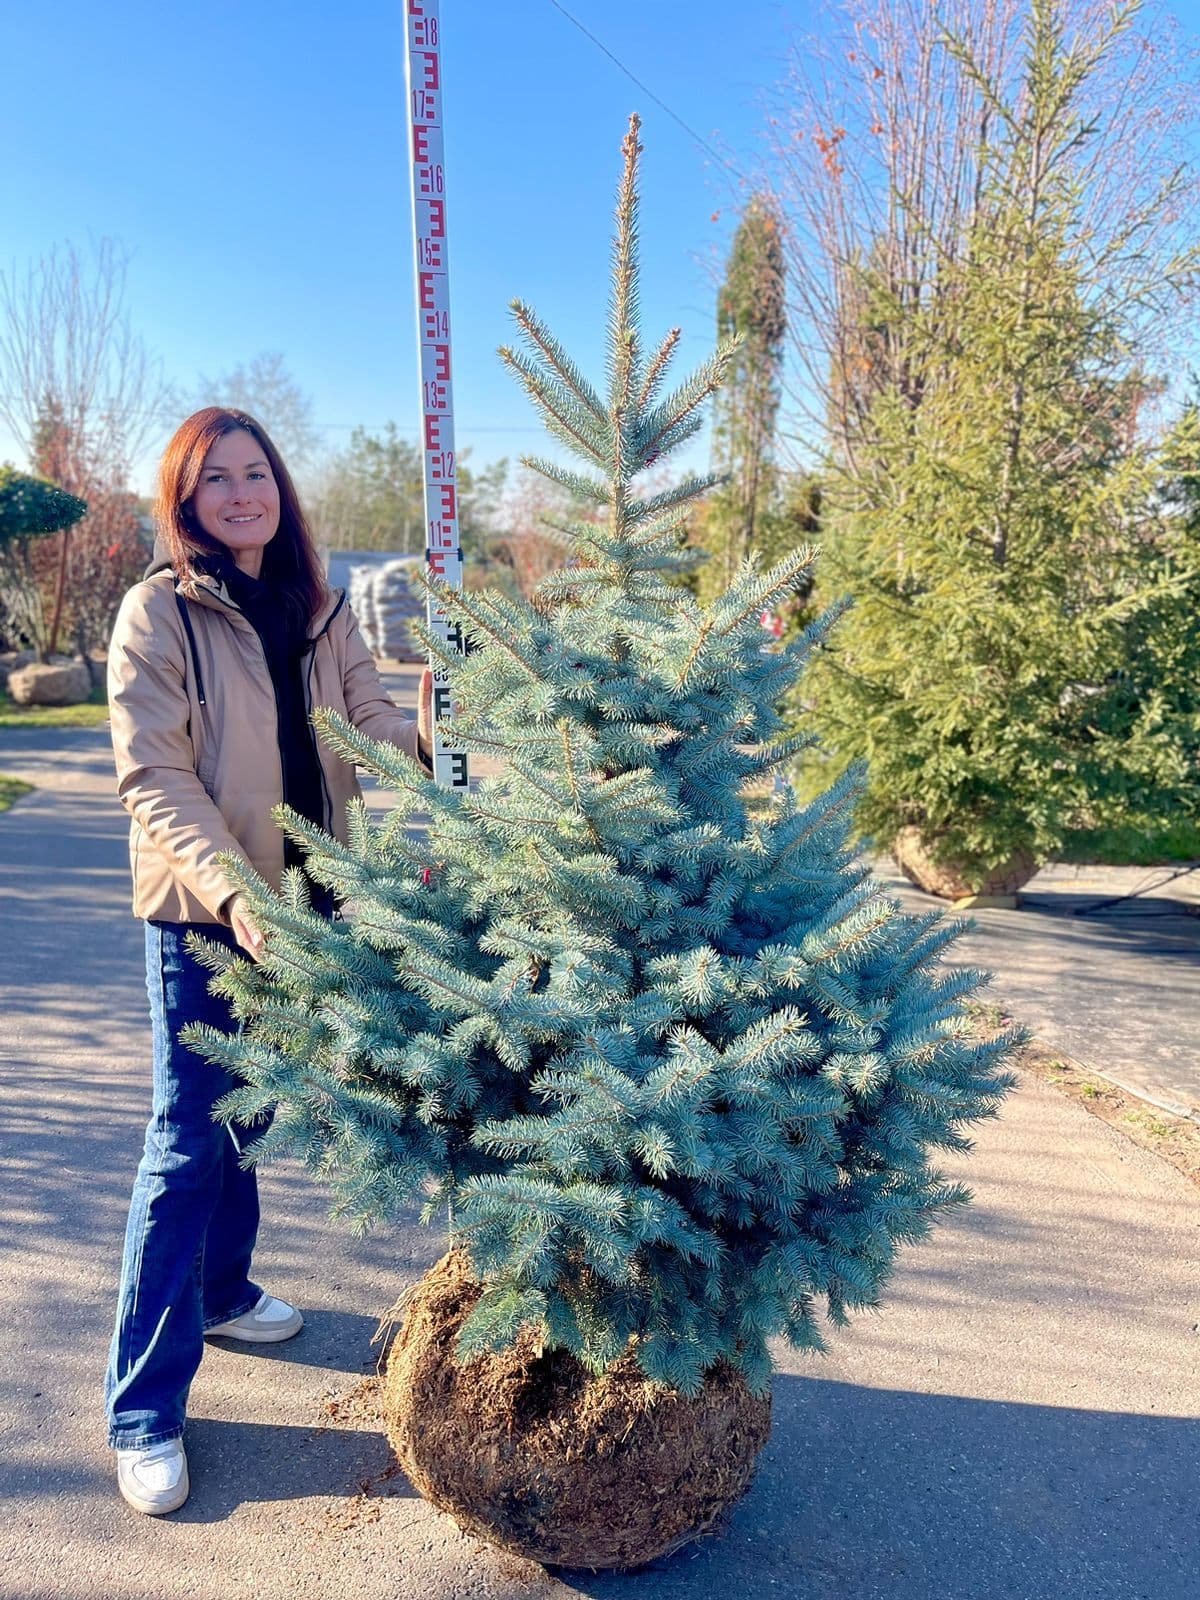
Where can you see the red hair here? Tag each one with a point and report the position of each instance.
(289, 561)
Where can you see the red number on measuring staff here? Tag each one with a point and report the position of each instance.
(430, 180)
(441, 466)
(436, 396)
(424, 106)
(425, 30)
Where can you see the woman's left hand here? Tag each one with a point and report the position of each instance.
(425, 711)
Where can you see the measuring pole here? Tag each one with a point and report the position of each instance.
(443, 547)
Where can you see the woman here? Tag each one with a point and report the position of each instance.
(217, 658)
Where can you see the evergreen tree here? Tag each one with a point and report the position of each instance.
(1152, 704)
(750, 307)
(30, 509)
(989, 519)
(671, 1064)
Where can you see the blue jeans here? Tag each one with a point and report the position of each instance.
(193, 1218)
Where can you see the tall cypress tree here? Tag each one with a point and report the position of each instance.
(668, 1060)
(750, 308)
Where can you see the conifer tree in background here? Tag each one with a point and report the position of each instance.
(991, 512)
(750, 307)
(30, 509)
(1156, 691)
(666, 1059)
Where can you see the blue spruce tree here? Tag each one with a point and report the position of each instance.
(659, 1049)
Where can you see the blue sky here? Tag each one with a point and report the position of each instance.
(253, 160)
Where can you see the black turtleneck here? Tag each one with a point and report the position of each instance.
(284, 639)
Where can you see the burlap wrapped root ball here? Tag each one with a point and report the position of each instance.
(534, 1454)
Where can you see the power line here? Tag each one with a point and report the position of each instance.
(167, 415)
(633, 78)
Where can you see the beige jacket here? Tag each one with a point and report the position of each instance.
(194, 730)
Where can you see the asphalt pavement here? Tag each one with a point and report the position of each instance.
(1021, 1422)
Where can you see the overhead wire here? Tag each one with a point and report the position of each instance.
(646, 90)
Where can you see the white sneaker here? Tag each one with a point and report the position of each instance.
(154, 1479)
(266, 1323)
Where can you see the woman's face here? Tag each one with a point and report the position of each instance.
(237, 498)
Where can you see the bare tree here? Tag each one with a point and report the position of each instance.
(878, 144)
(66, 342)
(527, 544)
(83, 396)
(266, 390)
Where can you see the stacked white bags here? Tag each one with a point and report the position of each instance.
(384, 604)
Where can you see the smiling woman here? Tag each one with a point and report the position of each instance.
(224, 491)
(218, 659)
(237, 500)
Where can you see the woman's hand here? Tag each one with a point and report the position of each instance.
(425, 714)
(245, 929)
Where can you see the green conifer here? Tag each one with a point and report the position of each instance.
(666, 1058)
(993, 511)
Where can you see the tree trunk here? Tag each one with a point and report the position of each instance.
(59, 591)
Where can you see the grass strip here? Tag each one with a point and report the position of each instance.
(11, 790)
(90, 713)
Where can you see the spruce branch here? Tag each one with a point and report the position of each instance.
(592, 490)
(695, 652)
(753, 591)
(682, 494)
(683, 403)
(656, 369)
(481, 612)
(567, 421)
(539, 337)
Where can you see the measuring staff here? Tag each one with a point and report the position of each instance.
(443, 546)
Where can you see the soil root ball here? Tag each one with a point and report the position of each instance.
(533, 1453)
(913, 854)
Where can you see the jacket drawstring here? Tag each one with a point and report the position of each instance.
(187, 624)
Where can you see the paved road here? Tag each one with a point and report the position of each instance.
(1022, 1422)
(1103, 963)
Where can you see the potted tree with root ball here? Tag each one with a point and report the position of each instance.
(664, 1057)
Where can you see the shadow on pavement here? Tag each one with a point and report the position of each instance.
(247, 1463)
(865, 1492)
(337, 1340)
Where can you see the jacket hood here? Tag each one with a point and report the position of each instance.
(160, 559)
(210, 565)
